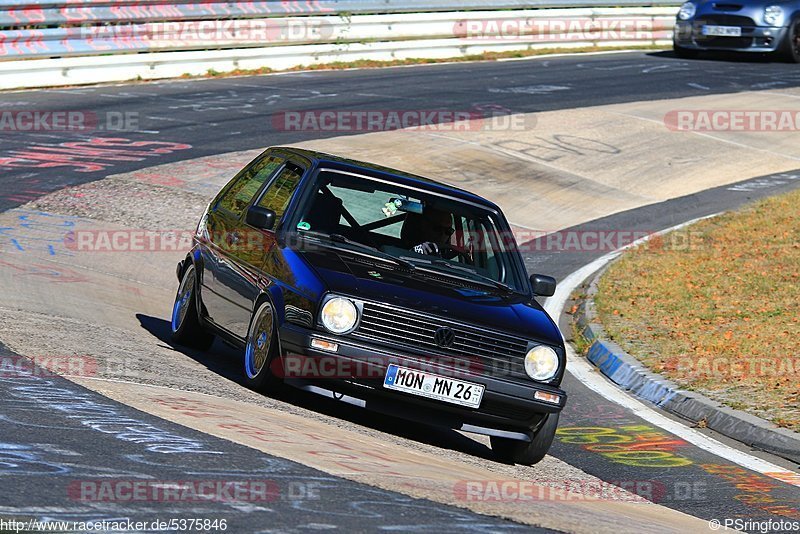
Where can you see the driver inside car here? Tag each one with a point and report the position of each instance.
(429, 233)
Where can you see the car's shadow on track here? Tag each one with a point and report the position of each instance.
(225, 361)
(728, 57)
(220, 358)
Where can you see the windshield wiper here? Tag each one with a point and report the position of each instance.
(379, 254)
(481, 279)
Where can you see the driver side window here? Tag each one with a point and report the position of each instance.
(247, 184)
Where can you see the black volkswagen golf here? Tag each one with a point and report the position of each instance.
(379, 288)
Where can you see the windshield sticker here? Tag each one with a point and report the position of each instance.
(389, 209)
(303, 225)
(401, 204)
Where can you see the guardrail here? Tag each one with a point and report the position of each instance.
(155, 38)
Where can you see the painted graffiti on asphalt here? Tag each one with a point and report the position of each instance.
(634, 445)
(92, 155)
(39, 394)
(755, 490)
(36, 231)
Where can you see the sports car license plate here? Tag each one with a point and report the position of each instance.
(432, 386)
(722, 31)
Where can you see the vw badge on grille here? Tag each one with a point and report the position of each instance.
(444, 337)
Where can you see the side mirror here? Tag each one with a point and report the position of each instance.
(543, 286)
(261, 218)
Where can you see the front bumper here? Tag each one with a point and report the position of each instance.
(759, 39)
(508, 407)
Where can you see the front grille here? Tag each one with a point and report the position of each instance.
(745, 23)
(727, 7)
(712, 41)
(494, 352)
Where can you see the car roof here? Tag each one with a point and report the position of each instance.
(379, 171)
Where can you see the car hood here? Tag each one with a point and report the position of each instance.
(350, 274)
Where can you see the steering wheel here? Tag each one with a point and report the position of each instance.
(448, 251)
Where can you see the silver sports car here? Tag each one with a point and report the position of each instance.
(763, 26)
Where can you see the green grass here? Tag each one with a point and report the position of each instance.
(719, 314)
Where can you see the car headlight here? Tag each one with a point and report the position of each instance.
(773, 15)
(541, 363)
(339, 315)
(687, 11)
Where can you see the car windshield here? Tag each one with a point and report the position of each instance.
(438, 234)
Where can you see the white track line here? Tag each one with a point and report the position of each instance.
(591, 378)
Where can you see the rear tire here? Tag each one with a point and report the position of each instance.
(790, 51)
(527, 453)
(261, 358)
(186, 327)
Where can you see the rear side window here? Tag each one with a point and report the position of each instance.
(247, 184)
(279, 193)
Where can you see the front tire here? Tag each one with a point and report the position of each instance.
(791, 46)
(186, 327)
(261, 351)
(527, 453)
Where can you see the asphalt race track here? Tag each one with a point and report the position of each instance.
(189, 119)
(282, 496)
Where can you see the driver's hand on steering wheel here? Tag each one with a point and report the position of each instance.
(427, 248)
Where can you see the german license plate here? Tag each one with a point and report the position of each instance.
(437, 387)
(722, 31)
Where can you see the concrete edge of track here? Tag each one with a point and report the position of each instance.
(631, 375)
